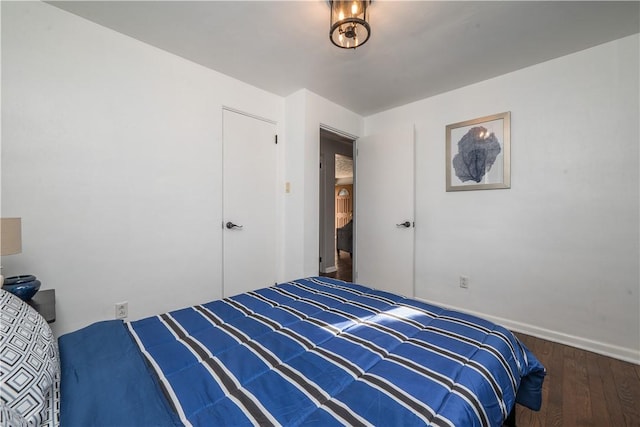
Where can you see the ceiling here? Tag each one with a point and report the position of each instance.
(417, 49)
(344, 166)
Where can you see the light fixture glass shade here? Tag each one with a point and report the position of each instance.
(10, 236)
(349, 23)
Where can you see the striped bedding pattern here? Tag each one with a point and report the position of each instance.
(323, 352)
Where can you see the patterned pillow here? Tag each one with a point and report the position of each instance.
(10, 418)
(29, 364)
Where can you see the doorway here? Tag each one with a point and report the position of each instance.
(337, 201)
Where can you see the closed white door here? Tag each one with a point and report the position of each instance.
(249, 203)
(385, 206)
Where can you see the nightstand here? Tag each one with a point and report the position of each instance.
(44, 302)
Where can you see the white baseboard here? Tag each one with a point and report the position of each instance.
(609, 350)
(331, 269)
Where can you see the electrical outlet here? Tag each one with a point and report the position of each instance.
(122, 310)
(464, 282)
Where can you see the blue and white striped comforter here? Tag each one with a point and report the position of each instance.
(323, 352)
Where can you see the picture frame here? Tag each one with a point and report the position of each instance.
(478, 153)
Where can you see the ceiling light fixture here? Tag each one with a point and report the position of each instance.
(349, 26)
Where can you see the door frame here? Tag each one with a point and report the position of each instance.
(324, 195)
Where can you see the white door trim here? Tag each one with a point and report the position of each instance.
(244, 113)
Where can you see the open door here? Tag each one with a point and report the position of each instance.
(385, 208)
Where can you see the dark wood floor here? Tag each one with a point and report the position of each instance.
(344, 266)
(581, 389)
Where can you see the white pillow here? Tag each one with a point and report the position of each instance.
(29, 364)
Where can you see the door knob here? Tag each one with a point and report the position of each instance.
(231, 225)
(405, 224)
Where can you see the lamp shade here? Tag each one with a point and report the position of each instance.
(10, 236)
(349, 23)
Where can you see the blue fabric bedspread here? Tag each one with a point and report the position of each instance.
(321, 352)
(105, 381)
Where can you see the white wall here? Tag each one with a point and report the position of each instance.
(557, 255)
(306, 112)
(111, 154)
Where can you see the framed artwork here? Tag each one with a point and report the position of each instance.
(479, 153)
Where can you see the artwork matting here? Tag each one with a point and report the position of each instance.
(478, 153)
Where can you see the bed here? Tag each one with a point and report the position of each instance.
(314, 352)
